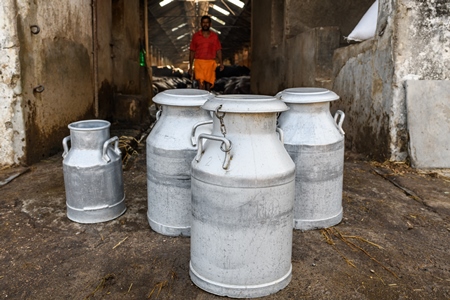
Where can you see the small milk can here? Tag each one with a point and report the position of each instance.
(93, 173)
(315, 141)
(170, 150)
(243, 189)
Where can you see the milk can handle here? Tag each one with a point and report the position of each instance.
(224, 141)
(280, 134)
(194, 128)
(114, 140)
(65, 146)
(339, 114)
(158, 114)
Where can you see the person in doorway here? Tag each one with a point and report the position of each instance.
(204, 49)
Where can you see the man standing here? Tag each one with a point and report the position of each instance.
(205, 47)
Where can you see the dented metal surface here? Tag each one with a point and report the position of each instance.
(93, 173)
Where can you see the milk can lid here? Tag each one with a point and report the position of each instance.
(182, 97)
(307, 95)
(242, 103)
(89, 125)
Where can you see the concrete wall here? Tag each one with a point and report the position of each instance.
(59, 59)
(363, 78)
(412, 42)
(422, 52)
(428, 118)
(58, 68)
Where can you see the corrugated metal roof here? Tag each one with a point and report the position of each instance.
(168, 33)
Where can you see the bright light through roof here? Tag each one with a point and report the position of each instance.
(221, 10)
(182, 36)
(179, 26)
(218, 20)
(165, 2)
(215, 30)
(237, 3)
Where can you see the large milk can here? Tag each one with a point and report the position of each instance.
(93, 173)
(315, 141)
(243, 185)
(170, 150)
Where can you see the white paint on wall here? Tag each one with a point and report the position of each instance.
(12, 133)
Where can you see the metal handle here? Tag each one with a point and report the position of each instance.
(224, 141)
(194, 128)
(65, 146)
(278, 95)
(114, 140)
(339, 114)
(158, 114)
(280, 134)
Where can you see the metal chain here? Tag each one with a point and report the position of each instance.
(220, 117)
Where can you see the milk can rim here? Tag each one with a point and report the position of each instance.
(245, 103)
(307, 95)
(182, 97)
(106, 124)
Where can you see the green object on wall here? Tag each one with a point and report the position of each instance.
(142, 58)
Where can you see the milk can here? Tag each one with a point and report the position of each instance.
(170, 150)
(243, 185)
(93, 173)
(315, 141)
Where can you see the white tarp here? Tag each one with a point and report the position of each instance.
(367, 25)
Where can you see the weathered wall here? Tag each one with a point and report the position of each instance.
(59, 59)
(428, 118)
(412, 42)
(422, 48)
(58, 68)
(12, 133)
(363, 79)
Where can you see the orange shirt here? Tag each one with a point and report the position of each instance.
(205, 48)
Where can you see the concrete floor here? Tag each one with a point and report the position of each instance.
(393, 242)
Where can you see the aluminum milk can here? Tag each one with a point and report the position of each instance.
(93, 173)
(243, 189)
(315, 141)
(170, 150)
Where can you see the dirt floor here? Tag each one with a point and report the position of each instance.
(392, 244)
